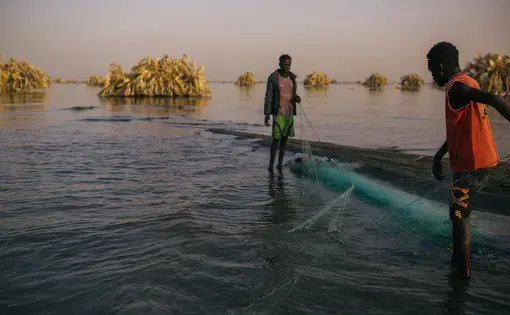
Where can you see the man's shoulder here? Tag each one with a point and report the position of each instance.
(458, 94)
(272, 76)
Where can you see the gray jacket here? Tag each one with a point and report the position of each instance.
(272, 99)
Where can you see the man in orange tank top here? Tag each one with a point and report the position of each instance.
(469, 143)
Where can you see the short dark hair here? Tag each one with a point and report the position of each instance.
(444, 53)
(284, 57)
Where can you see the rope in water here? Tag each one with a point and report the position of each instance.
(326, 254)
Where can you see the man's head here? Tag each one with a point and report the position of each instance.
(443, 62)
(285, 63)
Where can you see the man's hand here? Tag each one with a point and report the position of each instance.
(266, 121)
(437, 169)
(298, 99)
(437, 166)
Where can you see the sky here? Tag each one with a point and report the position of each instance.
(348, 40)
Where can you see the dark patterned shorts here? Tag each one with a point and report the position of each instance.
(465, 186)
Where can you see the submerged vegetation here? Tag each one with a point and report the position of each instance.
(246, 79)
(157, 77)
(156, 106)
(62, 81)
(23, 98)
(492, 71)
(410, 82)
(317, 80)
(95, 80)
(21, 77)
(376, 81)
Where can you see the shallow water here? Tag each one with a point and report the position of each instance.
(138, 209)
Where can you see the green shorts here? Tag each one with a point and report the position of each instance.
(283, 126)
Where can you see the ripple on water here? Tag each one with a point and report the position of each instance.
(105, 217)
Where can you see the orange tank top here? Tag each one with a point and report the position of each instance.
(471, 144)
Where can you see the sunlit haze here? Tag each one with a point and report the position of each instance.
(348, 40)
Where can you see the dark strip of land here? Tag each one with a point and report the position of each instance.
(406, 171)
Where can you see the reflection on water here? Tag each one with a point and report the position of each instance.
(312, 92)
(275, 250)
(161, 101)
(23, 98)
(245, 92)
(156, 105)
(375, 92)
(21, 107)
(156, 110)
(455, 303)
(282, 208)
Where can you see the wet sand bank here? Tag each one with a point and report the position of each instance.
(409, 172)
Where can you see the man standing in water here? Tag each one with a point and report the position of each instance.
(469, 142)
(280, 102)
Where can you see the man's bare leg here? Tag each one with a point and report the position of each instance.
(283, 145)
(274, 147)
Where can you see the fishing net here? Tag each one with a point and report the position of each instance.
(402, 213)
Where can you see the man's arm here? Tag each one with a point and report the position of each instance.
(268, 98)
(461, 94)
(441, 152)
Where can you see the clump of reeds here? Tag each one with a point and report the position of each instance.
(410, 82)
(317, 80)
(96, 80)
(492, 71)
(376, 81)
(157, 77)
(246, 79)
(58, 80)
(21, 77)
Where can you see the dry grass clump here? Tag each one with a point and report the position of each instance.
(157, 77)
(492, 71)
(410, 82)
(317, 80)
(376, 81)
(246, 79)
(58, 80)
(21, 77)
(95, 80)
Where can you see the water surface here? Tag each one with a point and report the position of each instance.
(108, 208)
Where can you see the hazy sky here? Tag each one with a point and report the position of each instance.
(346, 39)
